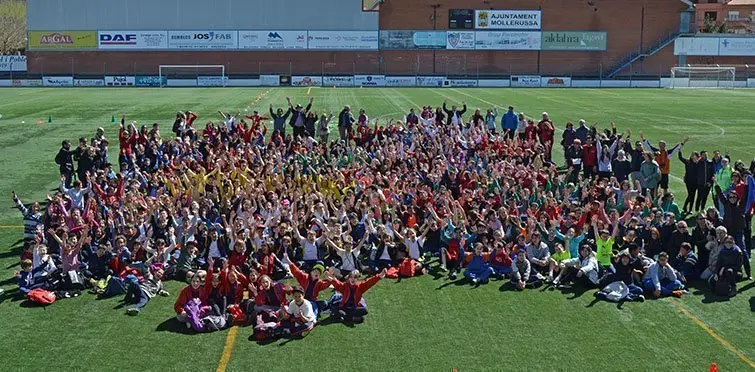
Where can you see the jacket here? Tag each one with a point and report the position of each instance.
(295, 115)
(345, 119)
(538, 253)
(522, 269)
(311, 288)
(455, 114)
(704, 173)
(64, 159)
(734, 219)
(509, 121)
(478, 265)
(730, 258)
(279, 122)
(187, 294)
(357, 290)
(649, 175)
(581, 133)
(690, 170)
(657, 273)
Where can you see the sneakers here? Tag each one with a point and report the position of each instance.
(341, 314)
(475, 281)
(132, 311)
(453, 275)
(677, 293)
(641, 298)
(549, 279)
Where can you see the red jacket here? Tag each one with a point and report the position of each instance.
(187, 294)
(311, 288)
(358, 289)
(238, 292)
(589, 155)
(275, 296)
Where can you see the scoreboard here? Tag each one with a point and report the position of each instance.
(460, 19)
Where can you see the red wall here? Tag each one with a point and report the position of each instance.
(623, 20)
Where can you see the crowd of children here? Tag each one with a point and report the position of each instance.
(241, 215)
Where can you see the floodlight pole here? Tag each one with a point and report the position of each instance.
(435, 27)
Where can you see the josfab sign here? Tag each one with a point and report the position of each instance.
(460, 39)
(273, 40)
(369, 80)
(203, 39)
(400, 81)
(508, 19)
(528, 81)
(132, 39)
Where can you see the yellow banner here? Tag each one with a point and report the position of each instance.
(62, 40)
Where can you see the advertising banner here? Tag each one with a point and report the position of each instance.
(306, 81)
(401, 40)
(400, 81)
(508, 40)
(338, 81)
(430, 81)
(57, 81)
(525, 81)
(736, 46)
(460, 39)
(369, 80)
(203, 39)
(12, 63)
(26, 82)
(132, 39)
(342, 40)
(508, 19)
(150, 81)
(696, 46)
(272, 40)
(89, 83)
(120, 81)
(270, 80)
(555, 82)
(211, 81)
(574, 40)
(457, 83)
(62, 40)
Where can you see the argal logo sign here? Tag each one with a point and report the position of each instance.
(56, 39)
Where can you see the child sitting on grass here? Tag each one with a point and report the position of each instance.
(478, 269)
(190, 292)
(347, 304)
(139, 293)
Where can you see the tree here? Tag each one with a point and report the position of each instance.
(12, 26)
(712, 27)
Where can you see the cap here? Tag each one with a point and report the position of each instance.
(319, 268)
(297, 288)
(545, 113)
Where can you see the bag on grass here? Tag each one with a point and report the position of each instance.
(214, 323)
(41, 296)
(267, 323)
(193, 310)
(615, 292)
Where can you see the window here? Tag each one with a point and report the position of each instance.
(733, 16)
(713, 16)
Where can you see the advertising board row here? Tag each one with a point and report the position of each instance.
(203, 39)
(317, 40)
(714, 46)
(12, 63)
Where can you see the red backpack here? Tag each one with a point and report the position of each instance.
(41, 296)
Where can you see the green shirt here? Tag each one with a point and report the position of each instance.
(605, 251)
(558, 257)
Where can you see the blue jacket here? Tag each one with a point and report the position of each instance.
(509, 121)
(478, 265)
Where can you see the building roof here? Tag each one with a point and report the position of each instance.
(741, 2)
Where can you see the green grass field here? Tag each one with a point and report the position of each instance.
(414, 325)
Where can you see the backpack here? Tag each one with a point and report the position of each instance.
(213, 323)
(724, 284)
(41, 296)
(267, 323)
(238, 315)
(615, 292)
(193, 310)
(115, 286)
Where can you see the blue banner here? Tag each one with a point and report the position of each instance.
(150, 81)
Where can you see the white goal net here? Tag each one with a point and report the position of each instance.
(702, 77)
(193, 75)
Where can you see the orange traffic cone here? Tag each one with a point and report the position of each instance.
(713, 367)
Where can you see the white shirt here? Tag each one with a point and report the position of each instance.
(385, 255)
(347, 261)
(214, 251)
(414, 246)
(310, 249)
(308, 314)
